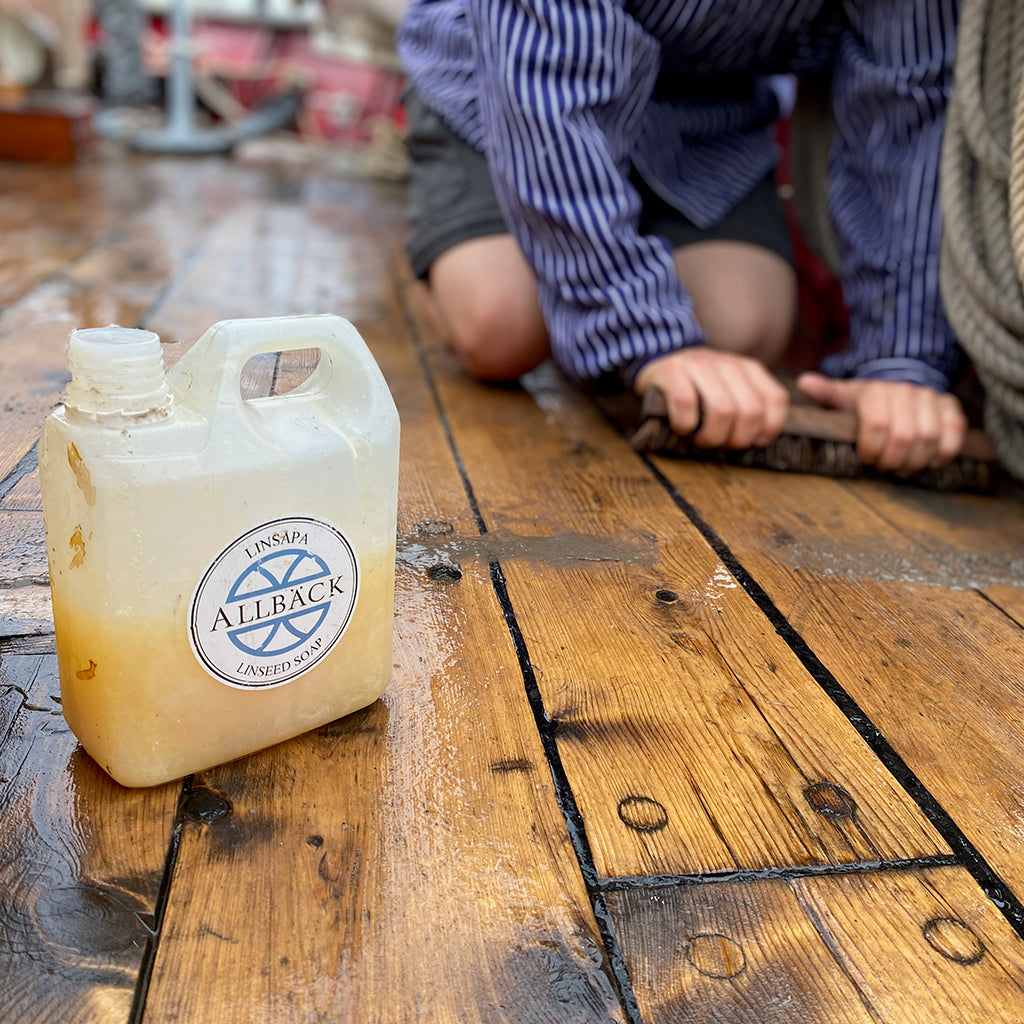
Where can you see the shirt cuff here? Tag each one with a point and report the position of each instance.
(912, 371)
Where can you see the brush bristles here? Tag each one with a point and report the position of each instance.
(794, 454)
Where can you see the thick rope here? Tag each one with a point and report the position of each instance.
(982, 187)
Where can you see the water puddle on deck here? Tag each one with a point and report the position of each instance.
(560, 550)
(926, 565)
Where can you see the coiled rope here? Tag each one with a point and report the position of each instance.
(982, 194)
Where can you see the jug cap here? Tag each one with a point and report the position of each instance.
(116, 372)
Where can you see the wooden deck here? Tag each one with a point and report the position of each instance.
(664, 742)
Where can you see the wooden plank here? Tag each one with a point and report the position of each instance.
(921, 948)
(958, 541)
(693, 739)
(273, 257)
(131, 225)
(409, 862)
(81, 860)
(247, 267)
(885, 609)
(81, 863)
(23, 547)
(24, 579)
(40, 212)
(57, 129)
(33, 362)
(55, 215)
(22, 494)
(893, 947)
(33, 369)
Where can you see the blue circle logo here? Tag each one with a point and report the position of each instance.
(273, 581)
(274, 602)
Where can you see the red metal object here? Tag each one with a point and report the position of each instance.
(343, 95)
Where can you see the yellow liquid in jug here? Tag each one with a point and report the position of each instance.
(144, 708)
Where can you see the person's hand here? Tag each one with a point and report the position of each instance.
(731, 401)
(901, 427)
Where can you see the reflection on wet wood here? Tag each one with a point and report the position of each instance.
(901, 946)
(24, 548)
(384, 869)
(24, 580)
(730, 953)
(81, 863)
(692, 737)
(890, 603)
(613, 777)
(22, 492)
(53, 218)
(99, 250)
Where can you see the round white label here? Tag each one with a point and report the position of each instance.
(274, 602)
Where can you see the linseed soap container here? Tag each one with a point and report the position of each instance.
(222, 569)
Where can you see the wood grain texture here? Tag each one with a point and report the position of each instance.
(894, 947)
(730, 953)
(24, 578)
(118, 233)
(693, 739)
(409, 862)
(921, 948)
(51, 220)
(885, 590)
(24, 550)
(750, 858)
(21, 493)
(81, 859)
(81, 863)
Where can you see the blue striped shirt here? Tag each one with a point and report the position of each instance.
(566, 97)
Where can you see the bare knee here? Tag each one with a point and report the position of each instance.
(496, 341)
(743, 297)
(485, 300)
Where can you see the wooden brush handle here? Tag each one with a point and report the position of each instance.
(805, 420)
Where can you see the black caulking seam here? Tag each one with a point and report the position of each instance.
(162, 898)
(567, 802)
(545, 727)
(450, 437)
(624, 883)
(274, 375)
(998, 607)
(26, 464)
(967, 855)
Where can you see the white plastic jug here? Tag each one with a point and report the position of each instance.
(222, 569)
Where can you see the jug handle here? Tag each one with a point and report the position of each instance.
(208, 376)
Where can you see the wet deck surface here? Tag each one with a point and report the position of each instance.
(664, 742)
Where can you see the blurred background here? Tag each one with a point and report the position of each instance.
(297, 80)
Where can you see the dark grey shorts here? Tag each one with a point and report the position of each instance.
(452, 200)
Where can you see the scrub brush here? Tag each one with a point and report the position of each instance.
(816, 440)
